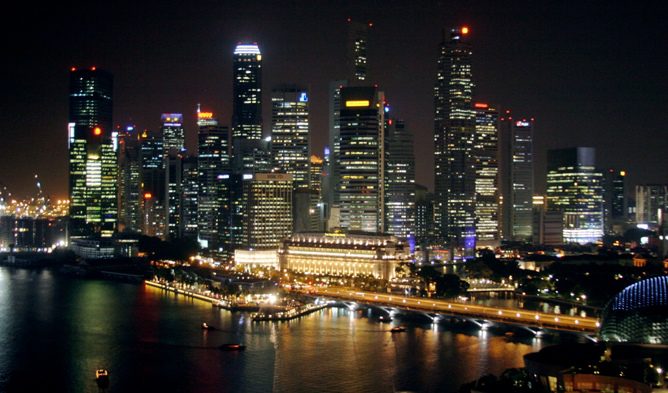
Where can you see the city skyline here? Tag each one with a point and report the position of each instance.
(610, 96)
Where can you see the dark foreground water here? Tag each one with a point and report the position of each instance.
(55, 331)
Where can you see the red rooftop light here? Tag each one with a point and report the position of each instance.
(465, 30)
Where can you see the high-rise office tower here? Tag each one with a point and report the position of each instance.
(487, 170)
(247, 108)
(516, 176)
(358, 37)
(574, 188)
(268, 209)
(362, 159)
(399, 179)
(173, 194)
(190, 187)
(92, 159)
(331, 186)
(614, 201)
(290, 146)
(290, 133)
(650, 200)
(129, 180)
(213, 165)
(247, 93)
(454, 134)
(173, 134)
(316, 208)
(152, 157)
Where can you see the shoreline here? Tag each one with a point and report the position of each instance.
(211, 300)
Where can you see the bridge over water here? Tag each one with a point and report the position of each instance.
(479, 314)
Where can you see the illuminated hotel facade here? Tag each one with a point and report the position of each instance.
(454, 133)
(92, 156)
(362, 159)
(487, 170)
(338, 254)
(574, 187)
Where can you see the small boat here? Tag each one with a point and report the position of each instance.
(509, 334)
(232, 347)
(384, 319)
(102, 377)
(398, 329)
(205, 326)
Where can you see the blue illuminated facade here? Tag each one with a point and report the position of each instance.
(638, 314)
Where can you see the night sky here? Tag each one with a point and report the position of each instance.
(591, 73)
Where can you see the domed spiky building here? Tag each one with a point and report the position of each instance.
(638, 314)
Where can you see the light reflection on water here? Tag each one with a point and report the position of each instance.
(62, 329)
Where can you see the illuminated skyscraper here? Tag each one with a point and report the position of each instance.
(213, 166)
(153, 185)
(516, 175)
(247, 108)
(173, 194)
(247, 91)
(574, 188)
(129, 180)
(454, 135)
(190, 188)
(316, 208)
(290, 133)
(486, 167)
(399, 179)
(362, 159)
(331, 186)
(92, 159)
(173, 134)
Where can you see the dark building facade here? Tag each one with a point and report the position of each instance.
(399, 180)
(454, 133)
(214, 167)
(516, 171)
(362, 159)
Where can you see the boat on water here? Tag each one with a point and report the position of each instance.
(398, 329)
(206, 326)
(102, 377)
(232, 347)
